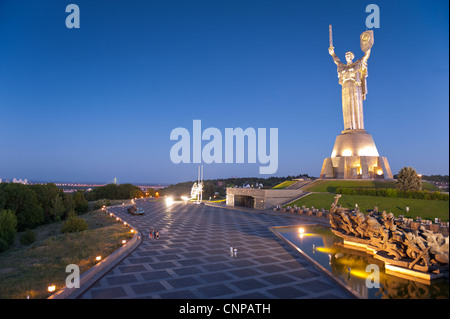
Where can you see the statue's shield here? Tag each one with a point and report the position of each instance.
(366, 40)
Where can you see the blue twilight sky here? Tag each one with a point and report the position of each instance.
(99, 102)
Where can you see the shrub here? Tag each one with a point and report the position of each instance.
(408, 179)
(3, 245)
(390, 192)
(8, 226)
(102, 202)
(28, 237)
(74, 224)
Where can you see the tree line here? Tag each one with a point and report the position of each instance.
(34, 205)
(24, 207)
(114, 191)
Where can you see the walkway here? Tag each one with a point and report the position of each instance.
(191, 260)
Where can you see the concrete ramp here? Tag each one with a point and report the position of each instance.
(299, 184)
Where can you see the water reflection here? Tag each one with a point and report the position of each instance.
(349, 265)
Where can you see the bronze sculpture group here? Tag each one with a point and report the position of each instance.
(392, 241)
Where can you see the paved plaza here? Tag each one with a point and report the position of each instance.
(191, 260)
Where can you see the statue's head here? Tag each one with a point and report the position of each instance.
(349, 56)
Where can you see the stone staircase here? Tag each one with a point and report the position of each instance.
(299, 184)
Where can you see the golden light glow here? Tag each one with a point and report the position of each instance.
(124, 241)
(98, 258)
(379, 172)
(301, 230)
(326, 250)
(358, 273)
(347, 152)
(333, 154)
(368, 151)
(51, 288)
(132, 230)
(125, 223)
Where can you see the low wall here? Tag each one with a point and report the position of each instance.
(263, 198)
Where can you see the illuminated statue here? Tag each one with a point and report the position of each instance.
(354, 155)
(352, 77)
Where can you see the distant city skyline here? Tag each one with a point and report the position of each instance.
(99, 102)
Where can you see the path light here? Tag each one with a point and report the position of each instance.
(132, 230)
(125, 223)
(51, 288)
(124, 241)
(98, 258)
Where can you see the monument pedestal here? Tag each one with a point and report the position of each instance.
(355, 156)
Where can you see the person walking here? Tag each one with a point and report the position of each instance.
(157, 234)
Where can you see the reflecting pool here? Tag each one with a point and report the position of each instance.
(349, 266)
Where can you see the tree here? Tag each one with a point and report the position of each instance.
(81, 204)
(208, 190)
(24, 202)
(151, 192)
(408, 179)
(50, 198)
(8, 226)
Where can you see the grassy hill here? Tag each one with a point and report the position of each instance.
(427, 209)
(324, 192)
(330, 186)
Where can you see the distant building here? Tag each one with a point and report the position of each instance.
(20, 181)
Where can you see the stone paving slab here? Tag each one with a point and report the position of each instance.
(192, 260)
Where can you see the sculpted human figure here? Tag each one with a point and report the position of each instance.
(362, 225)
(352, 78)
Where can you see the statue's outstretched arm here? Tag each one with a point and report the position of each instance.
(334, 56)
(366, 56)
